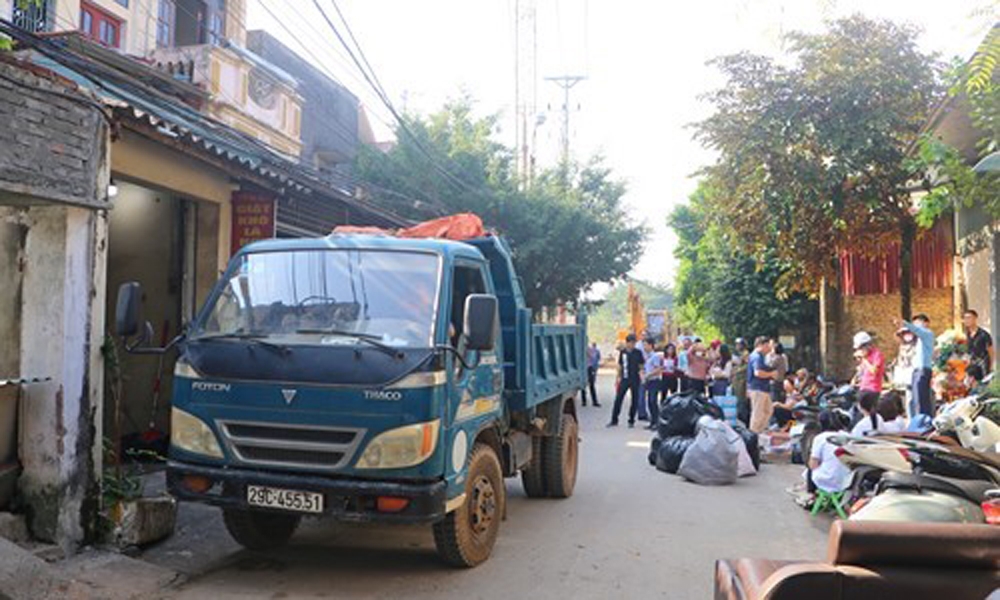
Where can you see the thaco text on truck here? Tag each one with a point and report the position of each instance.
(369, 378)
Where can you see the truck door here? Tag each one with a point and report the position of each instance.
(479, 387)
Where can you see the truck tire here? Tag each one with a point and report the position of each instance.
(532, 476)
(560, 456)
(466, 536)
(257, 530)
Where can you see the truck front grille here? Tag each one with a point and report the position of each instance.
(291, 446)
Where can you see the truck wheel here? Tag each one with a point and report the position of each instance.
(560, 457)
(532, 476)
(256, 530)
(466, 536)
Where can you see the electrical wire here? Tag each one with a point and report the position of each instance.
(318, 63)
(371, 79)
(42, 45)
(351, 180)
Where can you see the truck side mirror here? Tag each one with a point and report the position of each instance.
(480, 322)
(127, 309)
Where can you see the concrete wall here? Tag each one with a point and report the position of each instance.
(61, 330)
(12, 234)
(976, 275)
(875, 315)
(207, 266)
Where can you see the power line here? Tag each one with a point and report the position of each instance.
(440, 208)
(346, 135)
(371, 79)
(338, 53)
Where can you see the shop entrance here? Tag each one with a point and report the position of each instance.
(169, 245)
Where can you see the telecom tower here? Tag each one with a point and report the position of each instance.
(525, 88)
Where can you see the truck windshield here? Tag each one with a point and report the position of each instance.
(329, 297)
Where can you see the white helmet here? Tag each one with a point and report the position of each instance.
(861, 338)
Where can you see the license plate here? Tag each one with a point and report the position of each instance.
(292, 500)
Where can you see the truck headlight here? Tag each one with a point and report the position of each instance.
(401, 447)
(184, 369)
(191, 434)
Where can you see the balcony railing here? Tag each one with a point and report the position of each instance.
(32, 17)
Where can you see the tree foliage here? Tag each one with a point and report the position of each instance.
(565, 237)
(811, 154)
(721, 290)
(974, 88)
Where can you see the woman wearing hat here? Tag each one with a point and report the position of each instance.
(871, 363)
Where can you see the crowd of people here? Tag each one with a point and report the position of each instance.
(904, 388)
(765, 387)
(759, 378)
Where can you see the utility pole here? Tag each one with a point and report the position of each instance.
(566, 82)
(525, 89)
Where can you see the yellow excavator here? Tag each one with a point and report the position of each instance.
(655, 323)
(636, 316)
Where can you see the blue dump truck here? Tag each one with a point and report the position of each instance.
(369, 378)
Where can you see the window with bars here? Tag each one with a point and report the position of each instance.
(33, 17)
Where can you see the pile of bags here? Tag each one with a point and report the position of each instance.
(693, 440)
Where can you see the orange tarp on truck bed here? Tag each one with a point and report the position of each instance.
(463, 226)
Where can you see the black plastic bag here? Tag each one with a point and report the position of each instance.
(679, 414)
(671, 452)
(654, 448)
(751, 442)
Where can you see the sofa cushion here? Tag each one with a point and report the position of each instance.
(914, 545)
(815, 581)
(876, 583)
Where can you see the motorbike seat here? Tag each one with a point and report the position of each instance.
(969, 489)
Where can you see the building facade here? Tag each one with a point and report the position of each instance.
(187, 128)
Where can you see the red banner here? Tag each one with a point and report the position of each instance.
(253, 218)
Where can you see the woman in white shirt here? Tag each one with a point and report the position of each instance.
(871, 423)
(826, 472)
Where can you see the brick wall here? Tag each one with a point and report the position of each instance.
(53, 147)
(874, 314)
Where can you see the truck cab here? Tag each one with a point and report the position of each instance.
(368, 378)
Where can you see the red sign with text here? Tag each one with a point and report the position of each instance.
(253, 218)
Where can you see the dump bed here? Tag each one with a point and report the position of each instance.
(540, 361)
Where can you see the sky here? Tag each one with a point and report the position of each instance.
(644, 63)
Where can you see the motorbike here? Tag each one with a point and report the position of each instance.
(927, 498)
(968, 419)
(907, 478)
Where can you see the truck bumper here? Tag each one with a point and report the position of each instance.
(354, 500)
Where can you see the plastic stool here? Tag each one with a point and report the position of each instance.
(829, 500)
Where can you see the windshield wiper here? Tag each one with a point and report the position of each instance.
(367, 338)
(250, 337)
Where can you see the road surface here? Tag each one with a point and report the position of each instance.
(629, 531)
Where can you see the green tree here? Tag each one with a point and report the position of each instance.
(720, 288)
(564, 238)
(811, 155)
(976, 88)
